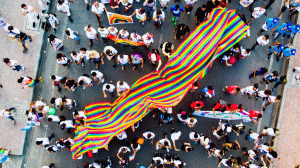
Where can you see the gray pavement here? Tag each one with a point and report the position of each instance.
(219, 76)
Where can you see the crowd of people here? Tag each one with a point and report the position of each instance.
(258, 156)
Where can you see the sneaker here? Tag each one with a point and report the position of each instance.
(175, 23)
(143, 23)
(267, 58)
(173, 19)
(189, 13)
(13, 122)
(23, 68)
(82, 64)
(41, 79)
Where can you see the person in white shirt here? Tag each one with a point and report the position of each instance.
(122, 136)
(85, 80)
(147, 39)
(270, 131)
(85, 54)
(149, 135)
(57, 103)
(56, 118)
(91, 34)
(52, 20)
(72, 35)
(157, 160)
(164, 4)
(271, 100)
(158, 18)
(7, 113)
(175, 136)
(42, 5)
(135, 37)
(52, 149)
(62, 60)
(13, 64)
(191, 122)
(262, 40)
(250, 90)
(67, 124)
(79, 115)
(110, 88)
(244, 53)
(245, 4)
(123, 150)
(123, 60)
(110, 53)
(69, 102)
(254, 136)
(121, 87)
(257, 12)
(44, 142)
(56, 43)
(136, 59)
(97, 75)
(77, 58)
(50, 166)
(15, 33)
(103, 32)
(63, 6)
(123, 34)
(98, 9)
(194, 136)
(113, 31)
(140, 15)
(31, 14)
(189, 5)
(87, 4)
(164, 144)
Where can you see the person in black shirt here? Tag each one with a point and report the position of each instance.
(181, 30)
(211, 4)
(200, 14)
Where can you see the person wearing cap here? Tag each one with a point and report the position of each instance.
(281, 30)
(103, 32)
(91, 33)
(147, 39)
(140, 15)
(295, 5)
(276, 48)
(262, 40)
(63, 6)
(257, 12)
(288, 52)
(98, 9)
(270, 23)
(155, 58)
(180, 31)
(294, 29)
(176, 11)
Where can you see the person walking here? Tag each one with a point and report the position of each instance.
(115, 4)
(62, 60)
(57, 80)
(281, 30)
(77, 58)
(44, 142)
(85, 80)
(63, 7)
(15, 33)
(232, 89)
(56, 43)
(150, 5)
(175, 13)
(147, 39)
(180, 31)
(288, 52)
(262, 40)
(96, 58)
(257, 12)
(276, 48)
(250, 90)
(103, 32)
(97, 75)
(189, 5)
(140, 15)
(123, 60)
(271, 100)
(30, 13)
(149, 135)
(72, 35)
(88, 3)
(122, 87)
(155, 58)
(167, 48)
(207, 92)
(98, 9)
(7, 113)
(136, 59)
(54, 22)
(260, 72)
(13, 64)
(28, 81)
(158, 18)
(111, 53)
(254, 115)
(270, 23)
(270, 78)
(110, 88)
(91, 34)
(200, 14)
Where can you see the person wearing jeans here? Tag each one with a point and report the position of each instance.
(7, 113)
(150, 4)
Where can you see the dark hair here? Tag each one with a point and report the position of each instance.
(6, 60)
(23, 5)
(101, 27)
(81, 82)
(52, 101)
(158, 12)
(10, 28)
(203, 6)
(107, 86)
(83, 49)
(248, 50)
(149, 135)
(172, 130)
(135, 145)
(259, 115)
(20, 80)
(89, 26)
(267, 36)
(255, 85)
(198, 104)
(264, 70)
(59, 55)
(269, 92)
(51, 37)
(190, 149)
(107, 52)
(177, 6)
(275, 73)
(39, 142)
(94, 73)
(210, 88)
(60, 1)
(196, 135)
(50, 119)
(76, 112)
(53, 77)
(63, 126)
(121, 83)
(238, 89)
(240, 106)
(142, 10)
(278, 97)
(67, 32)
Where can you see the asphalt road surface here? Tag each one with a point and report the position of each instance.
(219, 76)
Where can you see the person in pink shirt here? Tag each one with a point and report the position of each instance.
(232, 89)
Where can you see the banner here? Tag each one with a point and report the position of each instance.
(114, 18)
(224, 115)
(125, 41)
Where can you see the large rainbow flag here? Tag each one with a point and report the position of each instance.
(114, 18)
(164, 88)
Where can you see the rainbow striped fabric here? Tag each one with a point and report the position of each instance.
(122, 41)
(164, 88)
(114, 18)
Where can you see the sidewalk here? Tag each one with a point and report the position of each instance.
(288, 144)
(12, 94)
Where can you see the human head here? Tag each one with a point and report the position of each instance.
(278, 97)
(177, 7)
(52, 101)
(53, 77)
(61, 1)
(51, 37)
(81, 82)
(275, 73)
(238, 89)
(59, 55)
(24, 6)
(275, 20)
(158, 12)
(248, 51)
(203, 6)
(50, 119)
(83, 50)
(6, 60)
(266, 37)
(20, 80)
(259, 116)
(268, 92)
(210, 88)
(107, 87)
(76, 114)
(10, 28)
(67, 32)
(94, 74)
(142, 10)
(38, 142)
(255, 86)
(107, 52)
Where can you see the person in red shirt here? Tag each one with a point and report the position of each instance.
(197, 105)
(194, 86)
(222, 106)
(254, 115)
(115, 4)
(232, 89)
(235, 108)
(155, 58)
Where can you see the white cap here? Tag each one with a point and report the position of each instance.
(153, 57)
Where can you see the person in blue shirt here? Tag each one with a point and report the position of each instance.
(270, 23)
(282, 29)
(288, 52)
(294, 6)
(276, 48)
(294, 29)
(176, 11)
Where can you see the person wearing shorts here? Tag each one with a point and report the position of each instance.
(123, 60)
